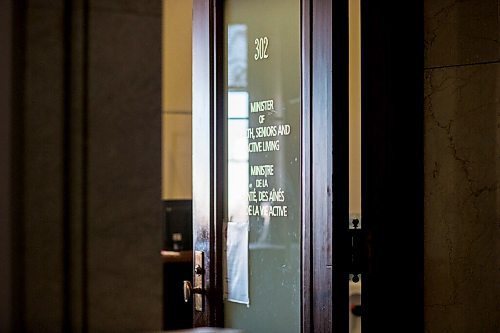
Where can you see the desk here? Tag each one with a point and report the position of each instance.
(176, 256)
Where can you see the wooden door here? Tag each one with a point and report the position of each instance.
(316, 144)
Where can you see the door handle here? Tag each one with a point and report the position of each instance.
(189, 290)
(198, 290)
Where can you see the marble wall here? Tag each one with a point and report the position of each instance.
(43, 168)
(124, 273)
(462, 166)
(103, 271)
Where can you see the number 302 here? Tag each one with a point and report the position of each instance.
(261, 48)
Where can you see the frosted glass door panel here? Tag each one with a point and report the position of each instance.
(263, 108)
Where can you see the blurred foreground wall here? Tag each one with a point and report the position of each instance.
(87, 251)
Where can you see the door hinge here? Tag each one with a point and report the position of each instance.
(356, 238)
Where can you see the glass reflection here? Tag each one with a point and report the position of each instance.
(237, 125)
(237, 56)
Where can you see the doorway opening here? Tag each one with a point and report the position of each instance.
(177, 254)
(177, 156)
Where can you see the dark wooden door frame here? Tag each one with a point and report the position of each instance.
(329, 173)
(204, 226)
(324, 155)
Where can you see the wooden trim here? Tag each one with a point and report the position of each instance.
(208, 153)
(203, 147)
(329, 188)
(306, 266)
(321, 143)
(220, 136)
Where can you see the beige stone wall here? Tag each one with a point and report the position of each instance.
(462, 166)
(354, 108)
(124, 176)
(176, 100)
(43, 197)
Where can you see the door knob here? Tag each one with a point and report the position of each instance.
(198, 289)
(189, 290)
(198, 270)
